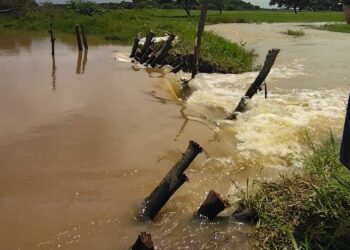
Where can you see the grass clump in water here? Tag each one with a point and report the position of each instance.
(308, 211)
(295, 33)
(344, 28)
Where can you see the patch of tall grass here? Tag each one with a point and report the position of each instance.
(306, 211)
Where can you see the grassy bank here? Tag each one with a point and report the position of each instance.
(344, 28)
(122, 26)
(308, 211)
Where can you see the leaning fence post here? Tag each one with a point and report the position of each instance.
(52, 36)
(134, 47)
(200, 30)
(77, 33)
(86, 47)
(168, 186)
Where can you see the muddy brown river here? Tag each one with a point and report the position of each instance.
(85, 137)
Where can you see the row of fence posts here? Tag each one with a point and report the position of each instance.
(82, 60)
(175, 178)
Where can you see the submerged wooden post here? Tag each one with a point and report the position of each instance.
(178, 67)
(78, 68)
(143, 242)
(161, 54)
(256, 85)
(134, 47)
(86, 47)
(200, 30)
(170, 183)
(77, 33)
(52, 36)
(85, 59)
(148, 42)
(212, 206)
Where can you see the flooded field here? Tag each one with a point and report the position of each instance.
(85, 137)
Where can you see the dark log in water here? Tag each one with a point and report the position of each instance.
(161, 54)
(178, 67)
(143, 242)
(212, 206)
(52, 36)
(170, 183)
(77, 33)
(200, 30)
(256, 85)
(134, 47)
(86, 47)
(248, 215)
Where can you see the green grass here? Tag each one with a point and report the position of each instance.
(295, 33)
(344, 28)
(121, 26)
(307, 211)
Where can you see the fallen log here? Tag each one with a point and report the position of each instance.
(212, 206)
(168, 186)
(161, 54)
(254, 87)
(143, 242)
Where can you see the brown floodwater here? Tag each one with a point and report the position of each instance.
(84, 137)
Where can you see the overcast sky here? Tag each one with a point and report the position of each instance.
(261, 3)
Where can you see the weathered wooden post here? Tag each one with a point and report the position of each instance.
(86, 47)
(52, 36)
(200, 30)
(53, 72)
(256, 85)
(161, 54)
(170, 183)
(77, 33)
(212, 206)
(134, 47)
(178, 67)
(143, 242)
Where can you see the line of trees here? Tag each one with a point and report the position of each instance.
(316, 5)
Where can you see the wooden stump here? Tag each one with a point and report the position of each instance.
(143, 242)
(77, 33)
(256, 85)
(86, 47)
(247, 215)
(134, 47)
(148, 42)
(212, 206)
(168, 186)
(52, 36)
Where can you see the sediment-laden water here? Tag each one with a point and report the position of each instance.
(85, 137)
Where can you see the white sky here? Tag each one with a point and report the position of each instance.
(261, 3)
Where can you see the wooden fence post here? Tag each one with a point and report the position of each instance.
(77, 33)
(52, 36)
(170, 183)
(200, 30)
(86, 47)
(143, 242)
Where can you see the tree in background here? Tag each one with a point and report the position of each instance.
(219, 5)
(295, 4)
(21, 5)
(186, 5)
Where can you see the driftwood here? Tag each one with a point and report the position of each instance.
(200, 30)
(212, 206)
(161, 54)
(52, 36)
(86, 47)
(170, 183)
(134, 47)
(77, 33)
(143, 242)
(256, 85)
